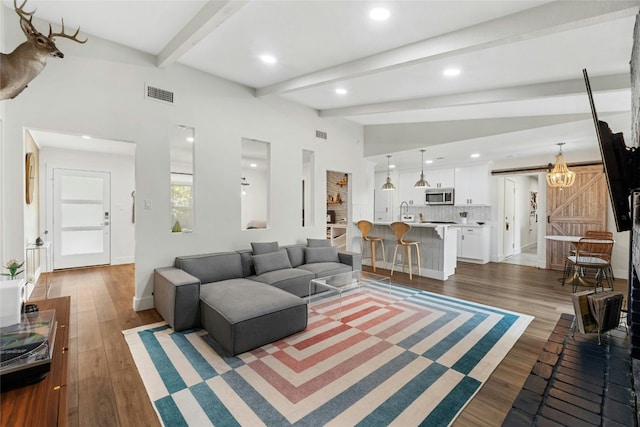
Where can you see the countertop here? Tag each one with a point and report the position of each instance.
(432, 224)
(416, 224)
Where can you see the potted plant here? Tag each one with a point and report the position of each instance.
(14, 268)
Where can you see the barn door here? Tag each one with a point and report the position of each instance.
(572, 211)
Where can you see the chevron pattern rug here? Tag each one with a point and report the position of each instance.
(407, 358)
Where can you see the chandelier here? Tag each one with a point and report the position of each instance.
(560, 176)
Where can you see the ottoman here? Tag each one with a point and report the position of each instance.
(242, 314)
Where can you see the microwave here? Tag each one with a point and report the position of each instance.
(439, 196)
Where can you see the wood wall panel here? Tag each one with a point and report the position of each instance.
(574, 210)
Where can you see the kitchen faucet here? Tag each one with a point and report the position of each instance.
(406, 205)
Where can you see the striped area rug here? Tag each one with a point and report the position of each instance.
(406, 357)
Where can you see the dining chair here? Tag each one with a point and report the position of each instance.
(365, 227)
(592, 254)
(400, 229)
(594, 234)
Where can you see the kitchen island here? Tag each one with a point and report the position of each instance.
(438, 247)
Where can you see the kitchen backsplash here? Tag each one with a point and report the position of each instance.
(452, 213)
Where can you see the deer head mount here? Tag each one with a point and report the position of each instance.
(22, 65)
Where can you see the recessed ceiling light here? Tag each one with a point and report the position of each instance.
(428, 161)
(253, 165)
(86, 137)
(452, 72)
(392, 166)
(475, 155)
(189, 139)
(268, 59)
(379, 14)
(341, 91)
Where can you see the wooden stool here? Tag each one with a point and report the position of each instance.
(400, 229)
(365, 227)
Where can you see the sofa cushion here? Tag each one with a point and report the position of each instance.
(324, 269)
(271, 261)
(241, 314)
(296, 254)
(318, 243)
(211, 267)
(320, 254)
(260, 248)
(292, 280)
(247, 262)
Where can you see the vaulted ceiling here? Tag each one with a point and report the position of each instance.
(519, 91)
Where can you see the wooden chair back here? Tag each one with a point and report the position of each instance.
(365, 227)
(597, 234)
(400, 229)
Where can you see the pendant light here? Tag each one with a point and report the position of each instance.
(388, 185)
(422, 183)
(560, 176)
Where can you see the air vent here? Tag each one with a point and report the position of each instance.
(159, 94)
(321, 135)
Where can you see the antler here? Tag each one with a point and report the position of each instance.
(25, 16)
(73, 37)
(21, 12)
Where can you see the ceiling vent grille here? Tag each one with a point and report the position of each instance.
(159, 94)
(321, 135)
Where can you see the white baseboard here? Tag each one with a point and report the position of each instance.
(145, 303)
(124, 260)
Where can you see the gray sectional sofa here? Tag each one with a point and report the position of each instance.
(247, 298)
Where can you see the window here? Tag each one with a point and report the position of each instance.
(182, 142)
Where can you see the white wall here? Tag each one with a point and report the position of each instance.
(97, 89)
(121, 169)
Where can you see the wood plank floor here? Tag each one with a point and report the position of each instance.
(105, 388)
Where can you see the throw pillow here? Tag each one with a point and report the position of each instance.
(260, 248)
(329, 254)
(318, 243)
(271, 261)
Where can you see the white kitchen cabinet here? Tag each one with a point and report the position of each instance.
(472, 185)
(473, 244)
(407, 191)
(440, 178)
(383, 201)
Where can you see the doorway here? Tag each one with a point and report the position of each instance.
(508, 233)
(338, 202)
(74, 173)
(81, 218)
(521, 215)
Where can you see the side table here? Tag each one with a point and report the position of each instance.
(45, 402)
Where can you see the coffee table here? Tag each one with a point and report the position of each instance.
(348, 281)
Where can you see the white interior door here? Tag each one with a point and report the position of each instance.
(81, 218)
(508, 237)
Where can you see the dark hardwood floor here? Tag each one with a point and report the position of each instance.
(105, 388)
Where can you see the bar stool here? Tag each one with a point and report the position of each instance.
(400, 229)
(365, 227)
